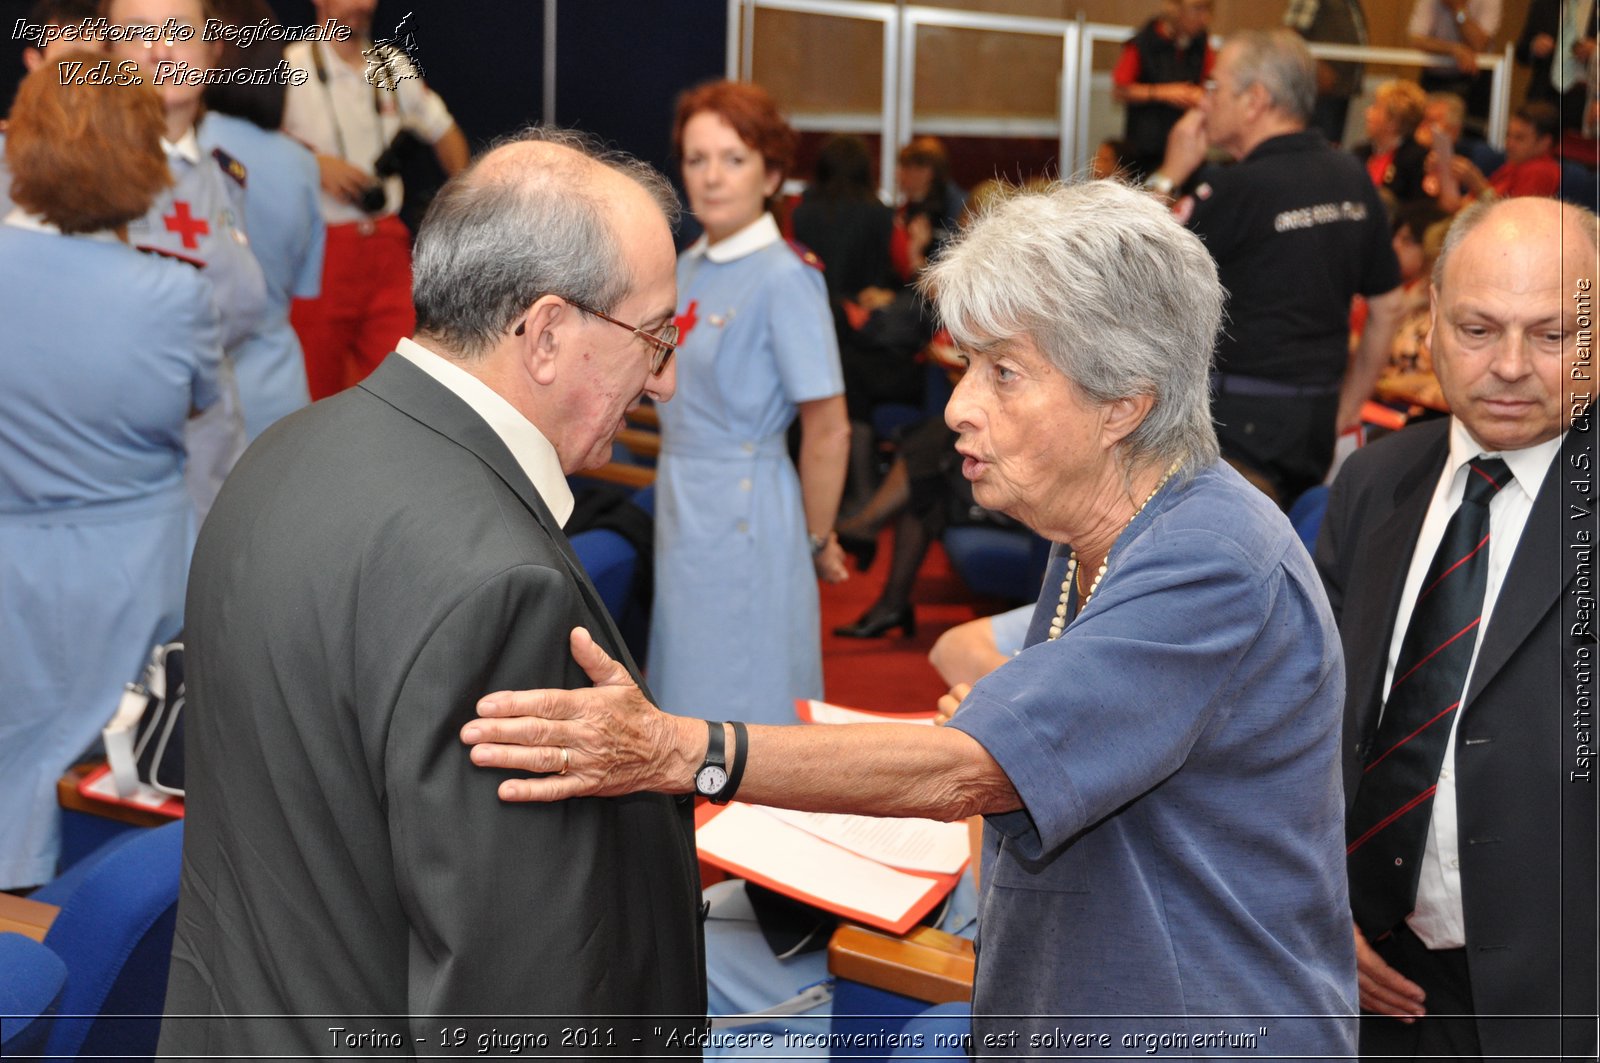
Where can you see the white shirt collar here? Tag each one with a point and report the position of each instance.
(763, 232)
(1528, 465)
(187, 147)
(34, 223)
(527, 444)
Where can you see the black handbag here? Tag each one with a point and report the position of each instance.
(157, 739)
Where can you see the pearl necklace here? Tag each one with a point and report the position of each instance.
(1058, 623)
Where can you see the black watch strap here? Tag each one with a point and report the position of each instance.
(741, 752)
(715, 745)
(715, 757)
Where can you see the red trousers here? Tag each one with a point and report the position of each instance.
(365, 305)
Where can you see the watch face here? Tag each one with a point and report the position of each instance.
(710, 780)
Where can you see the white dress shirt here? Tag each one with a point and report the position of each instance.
(527, 444)
(1438, 919)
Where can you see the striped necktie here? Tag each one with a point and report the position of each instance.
(1388, 825)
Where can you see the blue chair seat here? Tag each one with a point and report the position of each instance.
(32, 979)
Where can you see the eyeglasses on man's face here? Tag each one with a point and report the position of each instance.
(663, 342)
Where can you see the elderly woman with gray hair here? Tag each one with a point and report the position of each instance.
(1158, 767)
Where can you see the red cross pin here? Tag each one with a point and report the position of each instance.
(686, 320)
(186, 225)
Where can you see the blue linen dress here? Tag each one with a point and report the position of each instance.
(283, 215)
(105, 351)
(1178, 864)
(735, 631)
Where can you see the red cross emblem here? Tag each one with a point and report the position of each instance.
(186, 225)
(686, 320)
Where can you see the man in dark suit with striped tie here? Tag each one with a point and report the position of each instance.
(1458, 558)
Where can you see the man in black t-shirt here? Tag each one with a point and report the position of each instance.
(1297, 230)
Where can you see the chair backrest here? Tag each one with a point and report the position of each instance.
(115, 935)
(31, 981)
(998, 562)
(610, 561)
(1306, 514)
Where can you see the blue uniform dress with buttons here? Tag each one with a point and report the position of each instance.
(200, 220)
(735, 630)
(95, 524)
(283, 215)
(5, 176)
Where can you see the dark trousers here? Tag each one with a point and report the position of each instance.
(1330, 115)
(1449, 1030)
(1288, 440)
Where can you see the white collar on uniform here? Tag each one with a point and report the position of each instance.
(187, 147)
(527, 444)
(34, 223)
(763, 232)
(1529, 465)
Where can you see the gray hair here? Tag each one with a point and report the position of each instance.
(497, 237)
(1278, 61)
(1476, 214)
(1112, 289)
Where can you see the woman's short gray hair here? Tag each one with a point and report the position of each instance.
(495, 239)
(1112, 289)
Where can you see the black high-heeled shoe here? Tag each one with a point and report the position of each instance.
(863, 548)
(875, 623)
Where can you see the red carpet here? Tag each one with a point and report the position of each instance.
(893, 673)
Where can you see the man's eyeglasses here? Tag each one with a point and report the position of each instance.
(662, 343)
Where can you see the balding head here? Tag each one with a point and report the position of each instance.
(545, 212)
(1508, 292)
(1556, 228)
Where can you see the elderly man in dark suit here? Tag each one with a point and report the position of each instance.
(376, 563)
(1445, 552)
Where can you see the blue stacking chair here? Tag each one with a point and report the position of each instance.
(32, 979)
(997, 562)
(610, 561)
(1307, 512)
(114, 934)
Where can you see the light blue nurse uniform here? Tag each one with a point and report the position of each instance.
(735, 631)
(283, 216)
(106, 350)
(5, 180)
(200, 220)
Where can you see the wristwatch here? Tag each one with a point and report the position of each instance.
(818, 543)
(1159, 183)
(712, 778)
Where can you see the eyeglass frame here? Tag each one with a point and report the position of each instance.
(662, 348)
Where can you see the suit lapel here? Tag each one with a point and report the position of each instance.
(420, 397)
(1532, 583)
(1387, 559)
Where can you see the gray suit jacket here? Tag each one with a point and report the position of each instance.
(1527, 830)
(374, 565)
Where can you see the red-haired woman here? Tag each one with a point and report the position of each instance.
(740, 538)
(107, 353)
